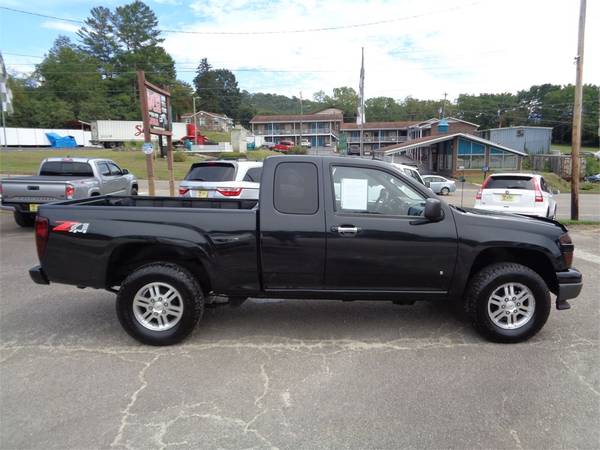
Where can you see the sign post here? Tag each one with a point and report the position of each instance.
(155, 103)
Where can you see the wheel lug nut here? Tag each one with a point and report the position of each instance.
(507, 312)
(165, 304)
(503, 306)
(518, 304)
(514, 298)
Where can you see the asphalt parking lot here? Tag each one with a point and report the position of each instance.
(290, 374)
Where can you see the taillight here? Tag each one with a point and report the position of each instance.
(538, 192)
(229, 192)
(567, 248)
(480, 191)
(183, 191)
(69, 191)
(41, 235)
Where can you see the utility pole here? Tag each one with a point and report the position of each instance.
(195, 121)
(577, 112)
(301, 112)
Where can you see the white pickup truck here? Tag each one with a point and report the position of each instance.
(61, 179)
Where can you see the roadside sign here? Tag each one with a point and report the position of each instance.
(485, 169)
(461, 167)
(148, 148)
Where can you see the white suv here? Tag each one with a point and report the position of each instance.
(520, 193)
(222, 179)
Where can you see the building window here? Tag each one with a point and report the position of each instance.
(471, 155)
(500, 159)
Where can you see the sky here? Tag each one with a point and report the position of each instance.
(412, 48)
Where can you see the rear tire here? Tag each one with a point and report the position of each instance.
(140, 304)
(24, 220)
(487, 304)
(134, 190)
(445, 191)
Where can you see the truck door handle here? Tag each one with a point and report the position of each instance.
(346, 230)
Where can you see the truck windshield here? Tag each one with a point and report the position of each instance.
(211, 172)
(510, 182)
(66, 168)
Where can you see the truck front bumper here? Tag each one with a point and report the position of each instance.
(570, 283)
(38, 275)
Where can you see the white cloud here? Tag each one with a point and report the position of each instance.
(62, 26)
(485, 46)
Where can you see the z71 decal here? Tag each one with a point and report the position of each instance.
(71, 227)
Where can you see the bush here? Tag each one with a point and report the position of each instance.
(297, 150)
(527, 163)
(233, 155)
(179, 156)
(587, 186)
(592, 166)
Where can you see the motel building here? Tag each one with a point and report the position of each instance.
(322, 129)
(449, 152)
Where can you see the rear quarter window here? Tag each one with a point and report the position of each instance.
(295, 189)
(211, 172)
(511, 182)
(253, 174)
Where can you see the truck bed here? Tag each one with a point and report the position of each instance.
(163, 202)
(112, 231)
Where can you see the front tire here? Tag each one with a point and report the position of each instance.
(508, 302)
(24, 220)
(160, 304)
(134, 190)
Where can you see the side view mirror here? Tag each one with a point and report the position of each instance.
(433, 209)
(124, 171)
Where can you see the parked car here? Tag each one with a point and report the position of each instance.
(165, 258)
(519, 193)
(411, 171)
(283, 146)
(268, 144)
(593, 178)
(222, 179)
(439, 184)
(64, 179)
(305, 143)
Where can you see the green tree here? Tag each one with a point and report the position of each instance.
(346, 99)
(98, 38)
(70, 75)
(181, 98)
(136, 26)
(217, 90)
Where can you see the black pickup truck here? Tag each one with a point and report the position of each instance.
(323, 228)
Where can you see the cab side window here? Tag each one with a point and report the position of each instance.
(114, 169)
(103, 169)
(363, 190)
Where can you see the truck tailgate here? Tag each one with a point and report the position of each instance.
(33, 190)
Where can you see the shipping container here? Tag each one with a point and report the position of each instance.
(112, 133)
(36, 137)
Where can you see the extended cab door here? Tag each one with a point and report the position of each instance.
(377, 237)
(292, 225)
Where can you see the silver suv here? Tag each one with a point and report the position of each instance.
(222, 179)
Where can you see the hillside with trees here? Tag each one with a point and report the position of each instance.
(95, 78)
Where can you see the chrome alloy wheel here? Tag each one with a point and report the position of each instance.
(511, 306)
(158, 306)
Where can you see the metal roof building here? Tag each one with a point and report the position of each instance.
(531, 140)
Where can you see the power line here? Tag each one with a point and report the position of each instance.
(268, 32)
